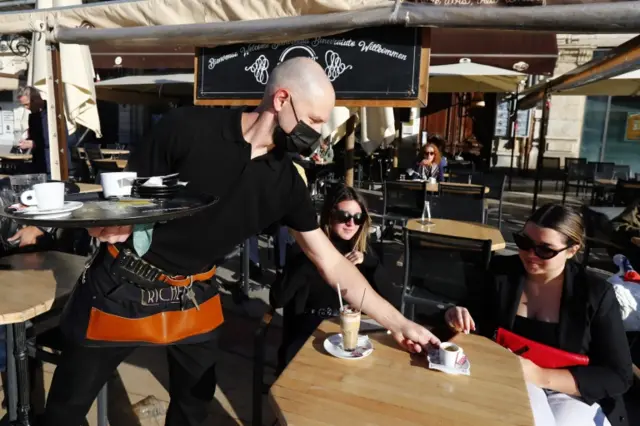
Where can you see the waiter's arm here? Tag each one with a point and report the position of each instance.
(335, 268)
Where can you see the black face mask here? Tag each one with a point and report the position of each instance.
(302, 139)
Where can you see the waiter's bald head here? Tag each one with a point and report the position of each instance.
(299, 87)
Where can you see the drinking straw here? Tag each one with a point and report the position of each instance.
(362, 302)
(340, 297)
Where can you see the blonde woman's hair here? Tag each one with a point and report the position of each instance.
(346, 193)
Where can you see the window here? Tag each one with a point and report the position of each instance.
(616, 148)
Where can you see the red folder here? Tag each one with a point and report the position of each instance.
(542, 355)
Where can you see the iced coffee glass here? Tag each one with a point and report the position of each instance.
(349, 326)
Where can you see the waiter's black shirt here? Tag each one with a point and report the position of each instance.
(207, 148)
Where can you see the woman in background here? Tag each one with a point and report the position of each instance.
(306, 298)
(427, 166)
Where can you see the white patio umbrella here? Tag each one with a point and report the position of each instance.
(467, 76)
(77, 75)
(377, 124)
(627, 84)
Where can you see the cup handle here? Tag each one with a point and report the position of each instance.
(28, 198)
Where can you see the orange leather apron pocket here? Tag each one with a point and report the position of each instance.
(161, 328)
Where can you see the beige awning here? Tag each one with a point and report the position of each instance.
(174, 12)
(627, 84)
(467, 76)
(77, 74)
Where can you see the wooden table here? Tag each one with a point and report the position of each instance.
(456, 228)
(392, 387)
(121, 164)
(605, 182)
(87, 188)
(32, 284)
(16, 157)
(434, 187)
(107, 151)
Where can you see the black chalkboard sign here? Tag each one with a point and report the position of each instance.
(382, 66)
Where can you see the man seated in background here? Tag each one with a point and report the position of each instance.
(626, 228)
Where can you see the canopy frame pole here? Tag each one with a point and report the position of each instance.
(607, 114)
(513, 114)
(542, 147)
(620, 60)
(55, 115)
(350, 145)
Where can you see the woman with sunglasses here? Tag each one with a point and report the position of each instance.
(543, 295)
(428, 165)
(306, 298)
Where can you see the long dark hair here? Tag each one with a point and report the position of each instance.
(346, 193)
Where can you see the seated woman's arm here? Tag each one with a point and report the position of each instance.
(609, 372)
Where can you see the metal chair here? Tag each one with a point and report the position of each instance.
(403, 200)
(460, 202)
(621, 172)
(439, 270)
(551, 170)
(496, 183)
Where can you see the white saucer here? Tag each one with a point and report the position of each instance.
(463, 367)
(52, 216)
(68, 207)
(333, 345)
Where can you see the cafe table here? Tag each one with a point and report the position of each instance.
(393, 387)
(460, 229)
(88, 188)
(16, 157)
(121, 164)
(434, 187)
(32, 285)
(107, 151)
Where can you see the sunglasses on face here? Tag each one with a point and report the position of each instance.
(542, 251)
(344, 217)
(430, 153)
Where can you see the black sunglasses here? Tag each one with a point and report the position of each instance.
(430, 153)
(344, 217)
(543, 251)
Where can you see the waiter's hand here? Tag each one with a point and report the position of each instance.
(414, 337)
(111, 234)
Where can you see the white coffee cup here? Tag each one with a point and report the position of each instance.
(432, 180)
(450, 353)
(47, 196)
(117, 184)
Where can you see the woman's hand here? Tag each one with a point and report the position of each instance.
(25, 144)
(355, 257)
(460, 319)
(28, 236)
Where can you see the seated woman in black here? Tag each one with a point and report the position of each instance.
(306, 299)
(544, 295)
